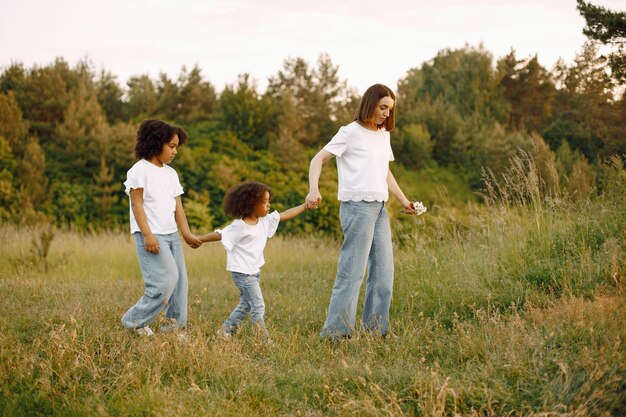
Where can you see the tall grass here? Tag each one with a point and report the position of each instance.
(516, 307)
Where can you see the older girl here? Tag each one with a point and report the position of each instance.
(156, 214)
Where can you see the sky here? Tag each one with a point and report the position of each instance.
(370, 41)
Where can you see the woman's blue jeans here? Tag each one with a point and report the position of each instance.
(250, 302)
(165, 278)
(367, 244)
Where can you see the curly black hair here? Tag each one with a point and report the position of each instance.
(241, 199)
(153, 134)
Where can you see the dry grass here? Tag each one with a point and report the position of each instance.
(514, 309)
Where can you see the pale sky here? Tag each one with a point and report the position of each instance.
(370, 41)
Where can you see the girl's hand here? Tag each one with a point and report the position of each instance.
(192, 240)
(151, 243)
(313, 199)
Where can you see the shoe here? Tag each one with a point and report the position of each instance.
(145, 331)
(182, 337)
(223, 334)
(171, 326)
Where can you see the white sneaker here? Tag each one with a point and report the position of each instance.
(223, 334)
(145, 331)
(182, 337)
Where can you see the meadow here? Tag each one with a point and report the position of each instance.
(511, 308)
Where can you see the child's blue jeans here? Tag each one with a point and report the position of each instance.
(165, 278)
(250, 302)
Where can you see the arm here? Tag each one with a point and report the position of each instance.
(181, 221)
(314, 197)
(136, 203)
(292, 212)
(211, 237)
(395, 190)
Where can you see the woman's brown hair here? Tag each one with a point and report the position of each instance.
(368, 104)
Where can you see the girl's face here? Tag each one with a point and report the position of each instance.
(262, 208)
(382, 111)
(168, 152)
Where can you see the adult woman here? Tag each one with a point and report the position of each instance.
(363, 152)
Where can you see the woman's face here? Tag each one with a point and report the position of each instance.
(382, 111)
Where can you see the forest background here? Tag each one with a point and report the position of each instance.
(67, 133)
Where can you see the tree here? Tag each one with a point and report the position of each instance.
(529, 89)
(286, 143)
(109, 95)
(142, 97)
(323, 101)
(32, 181)
(12, 127)
(7, 188)
(608, 27)
(245, 113)
(198, 97)
(81, 139)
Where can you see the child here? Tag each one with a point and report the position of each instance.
(244, 240)
(156, 214)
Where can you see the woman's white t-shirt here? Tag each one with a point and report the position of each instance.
(363, 157)
(160, 188)
(245, 243)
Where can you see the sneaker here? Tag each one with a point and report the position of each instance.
(223, 334)
(145, 331)
(182, 337)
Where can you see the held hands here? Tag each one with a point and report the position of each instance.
(313, 200)
(192, 240)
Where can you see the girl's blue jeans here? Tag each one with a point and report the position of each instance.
(165, 279)
(250, 302)
(367, 244)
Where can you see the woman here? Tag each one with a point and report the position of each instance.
(363, 152)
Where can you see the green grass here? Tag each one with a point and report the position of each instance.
(497, 311)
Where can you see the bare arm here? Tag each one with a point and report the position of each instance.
(136, 203)
(395, 190)
(211, 237)
(181, 221)
(314, 197)
(292, 212)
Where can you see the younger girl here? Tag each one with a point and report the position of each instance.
(244, 240)
(156, 214)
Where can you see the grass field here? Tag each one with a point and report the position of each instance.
(504, 310)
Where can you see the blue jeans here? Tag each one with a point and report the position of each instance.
(250, 302)
(367, 243)
(165, 278)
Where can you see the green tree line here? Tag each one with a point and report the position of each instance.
(67, 133)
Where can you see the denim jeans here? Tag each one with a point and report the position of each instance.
(165, 278)
(367, 244)
(250, 302)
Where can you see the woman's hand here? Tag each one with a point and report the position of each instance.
(313, 199)
(151, 243)
(192, 240)
(408, 207)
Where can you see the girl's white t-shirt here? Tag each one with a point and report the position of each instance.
(245, 243)
(363, 157)
(160, 188)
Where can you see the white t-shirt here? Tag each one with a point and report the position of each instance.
(160, 188)
(363, 157)
(245, 243)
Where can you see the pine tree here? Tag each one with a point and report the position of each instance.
(607, 27)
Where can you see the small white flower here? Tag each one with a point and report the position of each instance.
(419, 208)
